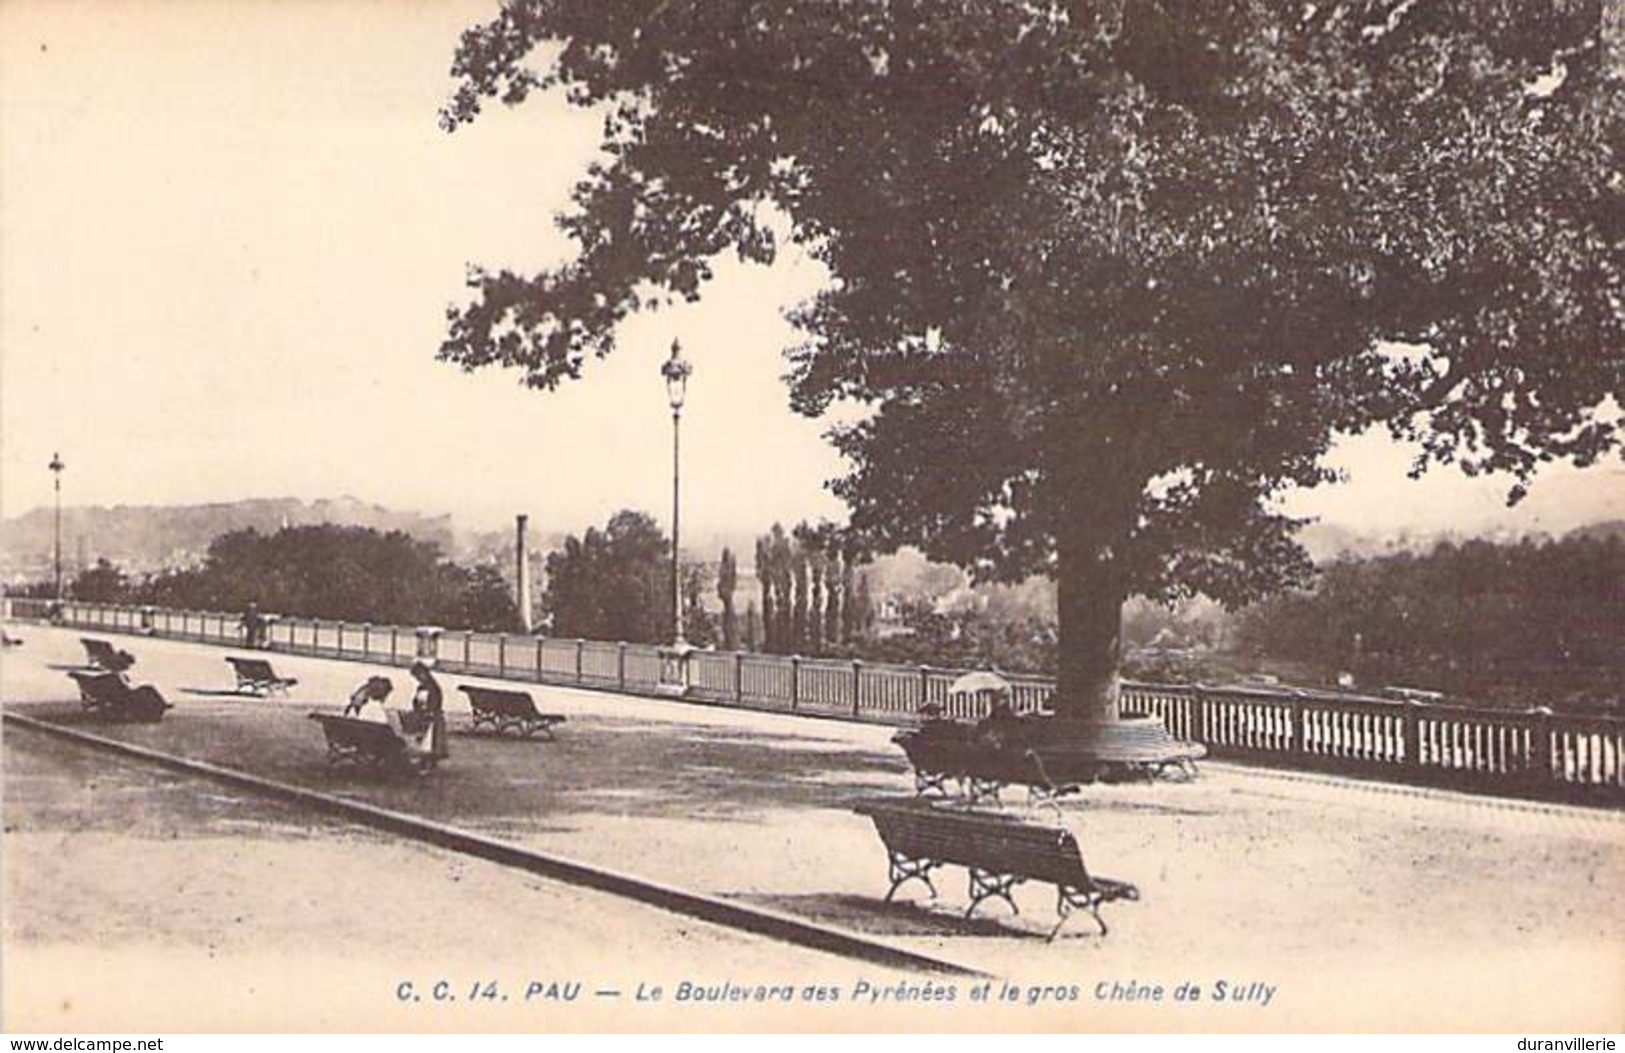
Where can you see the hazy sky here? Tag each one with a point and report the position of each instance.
(228, 235)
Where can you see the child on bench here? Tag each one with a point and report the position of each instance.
(373, 689)
(422, 729)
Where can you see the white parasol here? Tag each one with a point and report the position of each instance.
(978, 682)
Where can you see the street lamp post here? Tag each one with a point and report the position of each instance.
(56, 467)
(676, 371)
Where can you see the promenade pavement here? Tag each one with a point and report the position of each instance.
(138, 899)
(1321, 902)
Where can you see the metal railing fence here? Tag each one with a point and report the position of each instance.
(1532, 752)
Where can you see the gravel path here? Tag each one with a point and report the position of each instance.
(1326, 903)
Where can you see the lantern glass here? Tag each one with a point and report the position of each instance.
(676, 371)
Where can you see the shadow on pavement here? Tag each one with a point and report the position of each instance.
(873, 916)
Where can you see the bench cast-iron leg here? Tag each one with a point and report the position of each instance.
(987, 885)
(1067, 900)
(1184, 770)
(978, 790)
(904, 867)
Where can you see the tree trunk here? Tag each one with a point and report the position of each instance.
(1090, 610)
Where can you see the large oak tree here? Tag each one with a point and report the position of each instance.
(1111, 275)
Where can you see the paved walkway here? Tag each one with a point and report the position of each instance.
(1354, 905)
(143, 900)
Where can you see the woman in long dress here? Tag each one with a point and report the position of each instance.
(429, 705)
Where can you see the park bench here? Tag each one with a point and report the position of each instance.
(256, 677)
(1020, 754)
(944, 750)
(110, 695)
(1139, 746)
(106, 657)
(502, 711)
(369, 744)
(998, 849)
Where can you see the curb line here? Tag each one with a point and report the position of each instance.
(722, 912)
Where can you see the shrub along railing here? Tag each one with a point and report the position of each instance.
(1533, 752)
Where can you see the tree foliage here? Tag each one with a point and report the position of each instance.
(969, 638)
(806, 582)
(766, 582)
(612, 584)
(1537, 622)
(775, 572)
(103, 583)
(1112, 275)
(727, 582)
(699, 626)
(326, 571)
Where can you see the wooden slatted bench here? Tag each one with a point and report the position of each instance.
(945, 750)
(998, 849)
(1137, 746)
(368, 744)
(1048, 765)
(256, 677)
(502, 711)
(109, 694)
(106, 657)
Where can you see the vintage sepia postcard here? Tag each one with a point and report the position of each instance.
(780, 515)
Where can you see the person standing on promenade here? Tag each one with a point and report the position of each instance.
(253, 626)
(429, 705)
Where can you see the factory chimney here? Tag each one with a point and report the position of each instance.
(522, 556)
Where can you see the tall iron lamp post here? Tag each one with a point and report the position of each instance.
(676, 371)
(56, 467)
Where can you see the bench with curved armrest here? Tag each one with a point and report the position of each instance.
(944, 750)
(256, 677)
(999, 850)
(369, 744)
(1049, 757)
(111, 696)
(106, 657)
(503, 711)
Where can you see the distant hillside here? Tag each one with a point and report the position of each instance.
(1327, 543)
(144, 538)
(496, 546)
(1613, 528)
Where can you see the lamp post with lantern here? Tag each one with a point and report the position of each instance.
(56, 466)
(676, 371)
